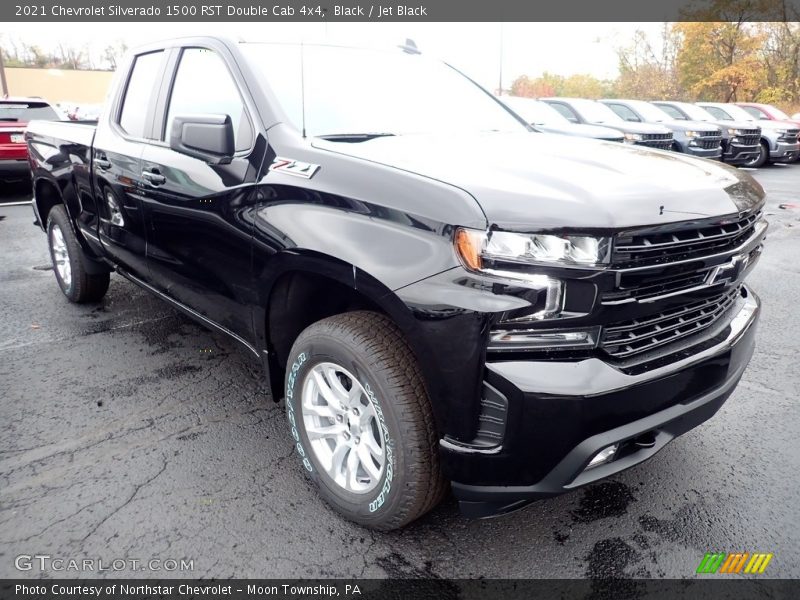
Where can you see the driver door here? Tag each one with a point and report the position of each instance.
(198, 243)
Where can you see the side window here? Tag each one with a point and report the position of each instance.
(624, 112)
(138, 93)
(757, 113)
(718, 113)
(566, 111)
(203, 85)
(672, 111)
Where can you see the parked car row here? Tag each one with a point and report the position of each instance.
(15, 113)
(745, 134)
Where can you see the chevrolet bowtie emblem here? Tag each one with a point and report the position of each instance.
(729, 272)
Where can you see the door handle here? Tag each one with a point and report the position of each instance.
(153, 177)
(102, 163)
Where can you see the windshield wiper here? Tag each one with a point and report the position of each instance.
(9, 119)
(353, 137)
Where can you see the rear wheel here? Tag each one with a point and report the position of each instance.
(362, 421)
(761, 158)
(74, 280)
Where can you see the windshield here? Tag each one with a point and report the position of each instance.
(649, 112)
(26, 111)
(351, 91)
(594, 112)
(535, 112)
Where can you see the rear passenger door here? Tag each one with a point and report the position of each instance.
(119, 142)
(198, 236)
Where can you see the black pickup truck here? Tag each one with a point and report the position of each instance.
(442, 296)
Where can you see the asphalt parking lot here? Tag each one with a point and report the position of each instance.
(129, 432)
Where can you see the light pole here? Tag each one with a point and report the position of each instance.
(500, 83)
(3, 82)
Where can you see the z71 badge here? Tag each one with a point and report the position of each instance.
(293, 167)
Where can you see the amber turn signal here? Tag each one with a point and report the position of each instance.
(469, 244)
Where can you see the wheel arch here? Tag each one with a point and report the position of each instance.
(46, 195)
(289, 295)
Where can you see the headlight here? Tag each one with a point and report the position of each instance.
(691, 134)
(735, 131)
(633, 137)
(780, 131)
(481, 250)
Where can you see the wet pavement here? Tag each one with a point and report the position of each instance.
(129, 432)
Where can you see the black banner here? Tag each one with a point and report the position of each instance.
(412, 10)
(403, 589)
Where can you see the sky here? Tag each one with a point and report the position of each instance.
(475, 48)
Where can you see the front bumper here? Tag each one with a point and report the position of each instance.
(561, 414)
(712, 153)
(737, 154)
(784, 152)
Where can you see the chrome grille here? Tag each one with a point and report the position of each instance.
(656, 247)
(709, 143)
(790, 137)
(628, 338)
(748, 137)
(668, 281)
(662, 141)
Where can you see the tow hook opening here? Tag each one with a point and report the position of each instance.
(646, 440)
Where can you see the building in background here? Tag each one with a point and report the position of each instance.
(59, 85)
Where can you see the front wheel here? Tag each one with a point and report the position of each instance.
(74, 280)
(362, 421)
(761, 158)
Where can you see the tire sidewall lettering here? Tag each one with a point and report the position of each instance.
(374, 504)
(388, 444)
(291, 380)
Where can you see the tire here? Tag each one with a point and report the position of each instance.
(78, 285)
(761, 159)
(364, 349)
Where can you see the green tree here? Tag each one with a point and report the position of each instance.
(719, 61)
(647, 69)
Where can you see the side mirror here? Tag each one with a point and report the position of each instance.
(207, 137)
(633, 119)
(573, 120)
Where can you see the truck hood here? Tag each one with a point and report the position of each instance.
(631, 127)
(725, 125)
(590, 131)
(527, 181)
(775, 124)
(680, 125)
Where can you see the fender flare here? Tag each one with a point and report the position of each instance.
(363, 283)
